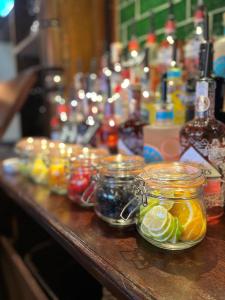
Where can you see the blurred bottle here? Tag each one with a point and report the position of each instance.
(109, 128)
(161, 139)
(131, 131)
(192, 47)
(176, 93)
(219, 54)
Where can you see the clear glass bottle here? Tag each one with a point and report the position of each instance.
(203, 139)
(171, 214)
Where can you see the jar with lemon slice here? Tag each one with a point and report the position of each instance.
(172, 215)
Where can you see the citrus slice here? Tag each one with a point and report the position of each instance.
(177, 232)
(191, 218)
(168, 204)
(144, 209)
(166, 233)
(155, 219)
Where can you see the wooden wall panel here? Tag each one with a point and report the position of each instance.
(83, 32)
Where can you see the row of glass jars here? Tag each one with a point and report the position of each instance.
(164, 200)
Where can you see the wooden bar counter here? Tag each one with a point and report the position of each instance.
(123, 261)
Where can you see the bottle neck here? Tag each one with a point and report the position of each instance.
(135, 101)
(205, 98)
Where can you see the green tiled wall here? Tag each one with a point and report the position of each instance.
(183, 10)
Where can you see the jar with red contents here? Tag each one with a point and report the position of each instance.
(82, 168)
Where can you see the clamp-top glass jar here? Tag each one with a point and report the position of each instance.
(114, 188)
(172, 215)
(59, 155)
(81, 170)
(39, 167)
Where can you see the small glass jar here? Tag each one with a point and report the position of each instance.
(39, 164)
(81, 170)
(172, 215)
(114, 188)
(59, 155)
(25, 150)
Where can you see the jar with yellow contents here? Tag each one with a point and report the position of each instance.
(39, 163)
(171, 214)
(59, 155)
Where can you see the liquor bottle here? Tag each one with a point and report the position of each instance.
(150, 74)
(109, 127)
(131, 131)
(165, 49)
(192, 47)
(89, 127)
(176, 87)
(203, 139)
(219, 54)
(161, 139)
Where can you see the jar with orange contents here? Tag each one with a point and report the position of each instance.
(171, 214)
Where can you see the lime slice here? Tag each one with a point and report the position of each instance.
(155, 220)
(144, 209)
(177, 232)
(166, 233)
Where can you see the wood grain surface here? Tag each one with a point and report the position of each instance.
(122, 261)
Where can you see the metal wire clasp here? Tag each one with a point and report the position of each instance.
(140, 196)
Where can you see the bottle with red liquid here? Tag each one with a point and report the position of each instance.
(203, 139)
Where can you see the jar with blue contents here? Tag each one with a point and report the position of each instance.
(115, 188)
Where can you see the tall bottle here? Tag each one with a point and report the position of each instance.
(150, 74)
(109, 128)
(192, 47)
(203, 139)
(161, 139)
(131, 131)
(176, 92)
(219, 54)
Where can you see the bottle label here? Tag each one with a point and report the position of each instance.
(213, 167)
(163, 115)
(205, 92)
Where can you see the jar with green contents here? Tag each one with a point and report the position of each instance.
(25, 151)
(171, 214)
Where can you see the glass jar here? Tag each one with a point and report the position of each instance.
(114, 188)
(59, 155)
(172, 215)
(25, 149)
(81, 170)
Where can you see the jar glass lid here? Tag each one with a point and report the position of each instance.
(121, 165)
(173, 174)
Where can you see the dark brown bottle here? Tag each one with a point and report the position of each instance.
(203, 139)
(131, 131)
